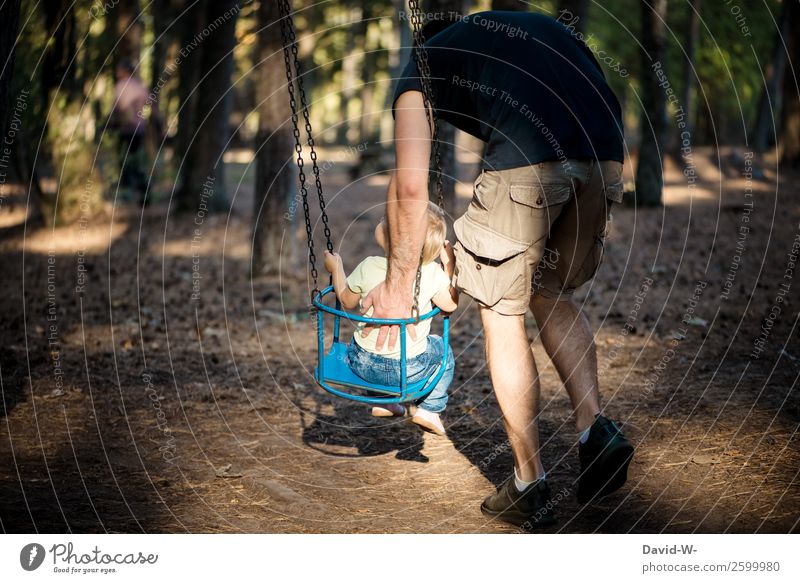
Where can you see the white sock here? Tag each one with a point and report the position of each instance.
(585, 435)
(522, 484)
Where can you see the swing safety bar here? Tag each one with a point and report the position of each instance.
(332, 368)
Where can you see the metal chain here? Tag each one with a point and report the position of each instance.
(428, 95)
(428, 99)
(290, 54)
(291, 57)
(304, 108)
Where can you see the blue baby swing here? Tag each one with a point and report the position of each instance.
(332, 372)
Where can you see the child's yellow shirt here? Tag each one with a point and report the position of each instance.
(370, 273)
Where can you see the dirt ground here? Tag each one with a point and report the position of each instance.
(130, 406)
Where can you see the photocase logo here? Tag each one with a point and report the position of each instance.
(31, 556)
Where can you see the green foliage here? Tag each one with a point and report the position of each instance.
(83, 170)
(729, 64)
(63, 130)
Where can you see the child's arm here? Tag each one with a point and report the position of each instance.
(333, 265)
(447, 299)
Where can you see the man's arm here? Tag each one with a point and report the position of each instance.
(407, 202)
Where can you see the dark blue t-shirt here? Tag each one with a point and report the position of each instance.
(521, 82)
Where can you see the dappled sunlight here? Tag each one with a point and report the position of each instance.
(93, 239)
(159, 342)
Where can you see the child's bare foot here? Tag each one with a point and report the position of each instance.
(389, 410)
(429, 421)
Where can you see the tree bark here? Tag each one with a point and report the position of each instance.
(790, 117)
(129, 32)
(399, 53)
(162, 15)
(188, 76)
(649, 170)
(9, 22)
(349, 74)
(768, 104)
(367, 132)
(59, 17)
(204, 169)
(274, 179)
(689, 75)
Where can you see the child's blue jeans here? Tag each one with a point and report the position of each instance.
(386, 371)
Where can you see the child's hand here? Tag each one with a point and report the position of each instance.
(333, 261)
(448, 257)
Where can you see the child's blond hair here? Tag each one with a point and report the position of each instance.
(434, 237)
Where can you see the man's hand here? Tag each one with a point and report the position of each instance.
(390, 303)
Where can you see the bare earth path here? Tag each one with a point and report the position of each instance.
(127, 406)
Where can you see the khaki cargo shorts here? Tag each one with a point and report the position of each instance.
(534, 229)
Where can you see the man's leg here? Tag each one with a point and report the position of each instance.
(604, 451)
(516, 384)
(567, 337)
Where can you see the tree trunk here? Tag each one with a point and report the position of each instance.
(349, 74)
(689, 74)
(191, 23)
(16, 154)
(367, 132)
(574, 11)
(790, 117)
(9, 21)
(204, 181)
(162, 15)
(649, 170)
(59, 17)
(274, 148)
(129, 32)
(399, 53)
(768, 105)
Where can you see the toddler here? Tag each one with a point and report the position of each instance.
(423, 355)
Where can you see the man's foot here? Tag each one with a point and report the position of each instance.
(604, 460)
(389, 410)
(528, 509)
(428, 420)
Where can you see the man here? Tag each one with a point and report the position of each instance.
(533, 232)
(130, 99)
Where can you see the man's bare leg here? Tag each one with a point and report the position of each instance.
(516, 384)
(568, 340)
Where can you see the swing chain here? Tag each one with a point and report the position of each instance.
(290, 47)
(428, 98)
(291, 57)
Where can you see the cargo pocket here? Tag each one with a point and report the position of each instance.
(535, 207)
(615, 190)
(594, 259)
(488, 264)
(540, 195)
(590, 265)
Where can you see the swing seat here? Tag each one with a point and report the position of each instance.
(333, 374)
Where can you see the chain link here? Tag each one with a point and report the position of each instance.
(290, 57)
(429, 99)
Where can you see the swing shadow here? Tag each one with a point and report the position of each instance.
(351, 432)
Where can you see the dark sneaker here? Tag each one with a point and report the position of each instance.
(604, 460)
(528, 509)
